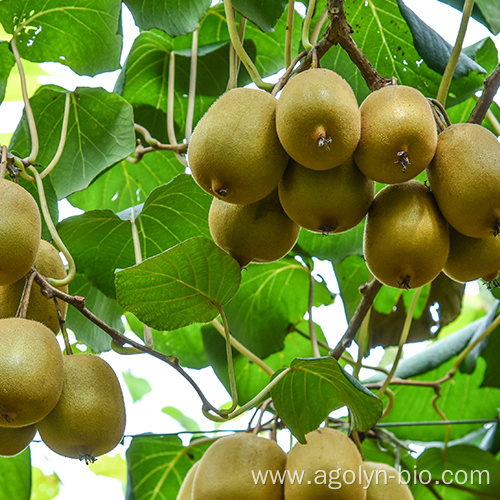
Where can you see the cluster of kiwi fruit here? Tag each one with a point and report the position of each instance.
(327, 466)
(73, 401)
(311, 159)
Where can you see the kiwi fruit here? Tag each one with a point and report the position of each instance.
(326, 201)
(186, 491)
(332, 452)
(234, 152)
(398, 134)
(384, 482)
(13, 440)
(225, 471)
(258, 232)
(473, 258)
(318, 119)
(465, 179)
(31, 371)
(49, 264)
(20, 231)
(406, 239)
(89, 418)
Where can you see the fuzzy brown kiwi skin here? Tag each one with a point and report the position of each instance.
(318, 119)
(259, 232)
(406, 238)
(464, 176)
(234, 153)
(327, 201)
(398, 134)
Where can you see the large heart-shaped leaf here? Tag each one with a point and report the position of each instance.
(158, 464)
(271, 298)
(82, 34)
(184, 285)
(317, 386)
(127, 184)
(100, 133)
(101, 241)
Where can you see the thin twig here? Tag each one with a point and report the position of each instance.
(35, 145)
(312, 329)
(118, 338)
(491, 86)
(369, 292)
(402, 341)
(62, 325)
(319, 25)
(444, 86)
(240, 50)
(289, 32)
(62, 140)
(192, 86)
(339, 32)
(3, 162)
(244, 350)
(288, 72)
(53, 232)
(307, 24)
(25, 299)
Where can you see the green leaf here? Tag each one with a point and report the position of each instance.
(175, 17)
(333, 247)
(250, 378)
(15, 476)
(114, 467)
(461, 398)
(270, 299)
(184, 285)
(263, 13)
(435, 51)
(127, 184)
(101, 241)
(7, 62)
(484, 53)
(315, 387)
(137, 386)
(385, 38)
(436, 354)
(103, 307)
(144, 79)
(157, 466)
(466, 467)
(186, 344)
(82, 34)
(351, 273)
(188, 423)
(442, 298)
(45, 486)
(100, 133)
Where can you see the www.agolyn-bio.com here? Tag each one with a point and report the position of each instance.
(337, 478)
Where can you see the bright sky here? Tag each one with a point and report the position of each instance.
(169, 389)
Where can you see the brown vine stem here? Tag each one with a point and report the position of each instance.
(62, 324)
(23, 305)
(339, 32)
(288, 72)
(3, 162)
(491, 86)
(79, 303)
(369, 292)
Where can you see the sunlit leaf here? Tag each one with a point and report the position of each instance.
(157, 466)
(317, 386)
(100, 133)
(184, 285)
(82, 34)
